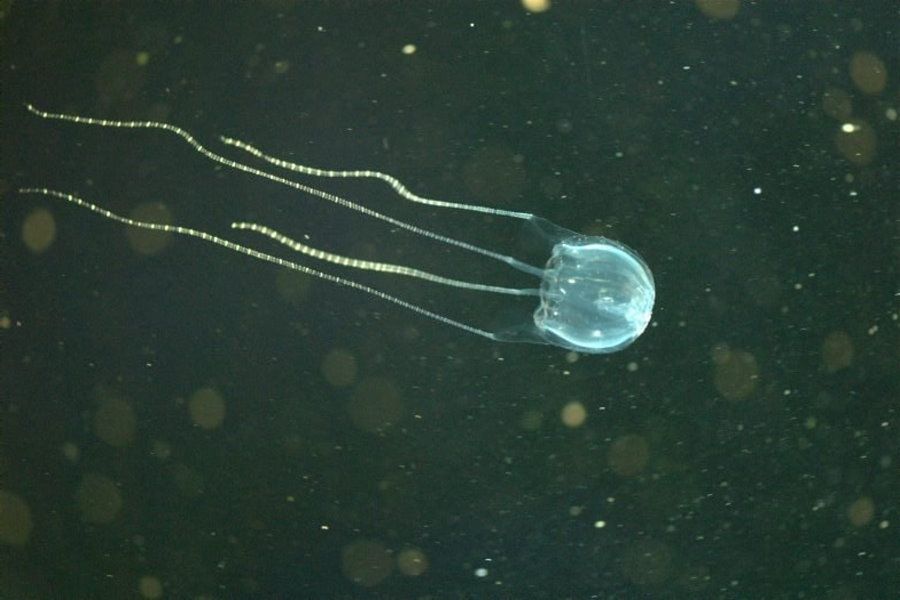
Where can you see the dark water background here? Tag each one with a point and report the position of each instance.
(745, 447)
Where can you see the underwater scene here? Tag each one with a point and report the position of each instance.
(483, 299)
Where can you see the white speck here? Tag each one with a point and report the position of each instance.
(481, 572)
(757, 190)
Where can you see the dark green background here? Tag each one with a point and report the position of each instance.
(644, 121)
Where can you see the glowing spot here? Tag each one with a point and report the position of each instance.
(736, 372)
(573, 414)
(150, 587)
(39, 230)
(207, 408)
(71, 452)
(536, 6)
(861, 511)
(721, 10)
(15, 519)
(412, 562)
(531, 420)
(408, 49)
(339, 368)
